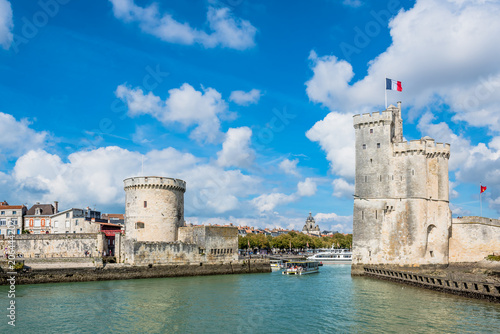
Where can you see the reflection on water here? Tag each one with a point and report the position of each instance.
(330, 301)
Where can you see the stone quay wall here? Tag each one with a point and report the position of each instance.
(467, 288)
(71, 245)
(473, 239)
(122, 271)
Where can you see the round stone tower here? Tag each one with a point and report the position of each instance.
(154, 208)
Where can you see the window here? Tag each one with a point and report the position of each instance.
(378, 145)
(139, 225)
(366, 178)
(364, 146)
(362, 215)
(13, 221)
(68, 223)
(37, 223)
(14, 212)
(371, 130)
(412, 172)
(56, 223)
(76, 222)
(145, 204)
(3, 222)
(380, 177)
(376, 215)
(2, 213)
(67, 214)
(37, 211)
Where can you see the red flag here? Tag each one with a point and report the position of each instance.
(483, 189)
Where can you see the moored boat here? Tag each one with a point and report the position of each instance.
(276, 264)
(333, 256)
(301, 268)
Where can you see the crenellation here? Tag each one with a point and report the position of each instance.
(375, 118)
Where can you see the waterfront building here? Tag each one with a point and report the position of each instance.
(11, 218)
(114, 218)
(76, 220)
(310, 227)
(38, 218)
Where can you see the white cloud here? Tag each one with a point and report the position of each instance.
(185, 106)
(267, 202)
(236, 149)
(352, 3)
(334, 222)
(245, 98)
(307, 187)
(6, 24)
(335, 134)
(471, 163)
(96, 177)
(289, 166)
(465, 73)
(17, 138)
(225, 30)
(342, 188)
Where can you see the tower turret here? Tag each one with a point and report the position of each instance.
(154, 208)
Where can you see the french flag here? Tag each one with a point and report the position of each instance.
(393, 85)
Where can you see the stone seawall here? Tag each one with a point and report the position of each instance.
(122, 271)
(473, 286)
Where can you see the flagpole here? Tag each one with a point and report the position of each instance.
(481, 198)
(385, 88)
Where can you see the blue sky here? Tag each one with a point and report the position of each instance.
(250, 102)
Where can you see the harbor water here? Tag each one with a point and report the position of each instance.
(329, 302)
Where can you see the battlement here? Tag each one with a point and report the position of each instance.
(375, 118)
(425, 146)
(154, 182)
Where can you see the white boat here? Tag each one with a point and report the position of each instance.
(333, 256)
(301, 267)
(276, 264)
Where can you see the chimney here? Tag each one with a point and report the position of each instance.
(56, 206)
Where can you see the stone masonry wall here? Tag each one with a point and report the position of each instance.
(57, 245)
(217, 242)
(401, 211)
(146, 253)
(473, 239)
(154, 208)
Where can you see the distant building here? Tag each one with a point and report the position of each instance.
(329, 233)
(310, 226)
(114, 218)
(76, 221)
(11, 218)
(38, 218)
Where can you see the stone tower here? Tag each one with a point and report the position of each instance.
(401, 210)
(154, 208)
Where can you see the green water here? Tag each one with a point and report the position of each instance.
(328, 302)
